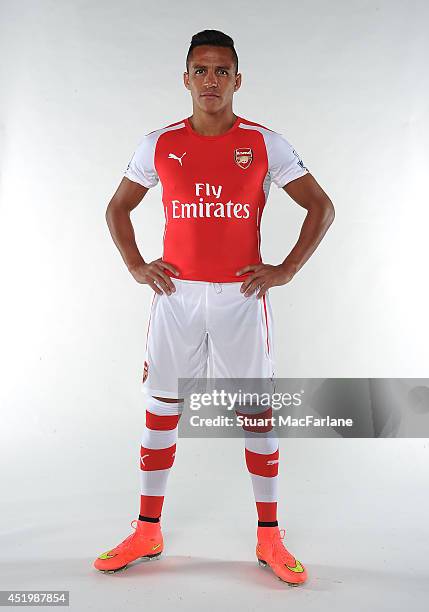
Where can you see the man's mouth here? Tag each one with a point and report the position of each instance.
(209, 95)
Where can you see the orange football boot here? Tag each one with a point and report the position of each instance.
(146, 542)
(271, 551)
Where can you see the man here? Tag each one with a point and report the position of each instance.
(211, 299)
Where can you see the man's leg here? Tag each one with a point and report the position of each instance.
(157, 453)
(262, 460)
(176, 347)
(261, 448)
(241, 346)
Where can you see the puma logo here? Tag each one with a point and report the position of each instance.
(179, 159)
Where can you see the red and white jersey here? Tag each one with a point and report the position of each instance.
(214, 190)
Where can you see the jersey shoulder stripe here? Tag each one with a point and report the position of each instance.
(141, 168)
(175, 125)
(246, 122)
(284, 163)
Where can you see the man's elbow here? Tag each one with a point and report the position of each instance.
(328, 212)
(110, 212)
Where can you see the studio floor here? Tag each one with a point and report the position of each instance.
(361, 532)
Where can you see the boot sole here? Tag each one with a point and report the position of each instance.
(124, 567)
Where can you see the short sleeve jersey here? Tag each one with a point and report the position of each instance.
(214, 190)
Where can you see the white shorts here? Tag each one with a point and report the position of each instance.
(206, 330)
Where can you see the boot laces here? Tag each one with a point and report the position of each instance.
(127, 540)
(280, 554)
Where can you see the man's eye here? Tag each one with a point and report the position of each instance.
(198, 70)
(223, 71)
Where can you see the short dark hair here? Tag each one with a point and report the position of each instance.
(214, 38)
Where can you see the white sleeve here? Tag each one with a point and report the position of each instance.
(141, 168)
(284, 163)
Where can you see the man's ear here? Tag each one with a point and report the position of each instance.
(237, 82)
(186, 80)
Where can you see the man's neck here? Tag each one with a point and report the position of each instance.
(212, 125)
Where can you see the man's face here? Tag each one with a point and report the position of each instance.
(211, 78)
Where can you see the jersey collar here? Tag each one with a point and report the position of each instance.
(197, 135)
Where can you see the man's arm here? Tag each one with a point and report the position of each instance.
(306, 192)
(127, 197)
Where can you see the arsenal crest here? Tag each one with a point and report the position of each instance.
(243, 157)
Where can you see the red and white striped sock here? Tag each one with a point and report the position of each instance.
(262, 460)
(157, 453)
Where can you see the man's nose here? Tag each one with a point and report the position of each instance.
(211, 79)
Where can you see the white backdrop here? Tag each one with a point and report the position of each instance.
(81, 82)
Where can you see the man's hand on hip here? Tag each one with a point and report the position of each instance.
(153, 274)
(265, 276)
